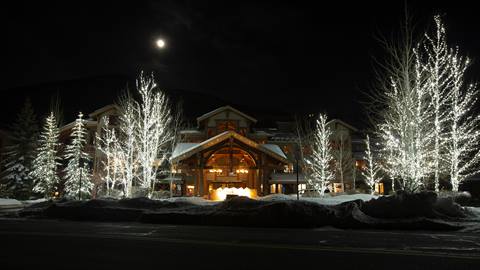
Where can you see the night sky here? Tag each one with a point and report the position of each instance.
(268, 56)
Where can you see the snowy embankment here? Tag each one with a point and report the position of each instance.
(325, 200)
(6, 204)
(12, 204)
(401, 211)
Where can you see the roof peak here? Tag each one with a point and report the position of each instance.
(224, 108)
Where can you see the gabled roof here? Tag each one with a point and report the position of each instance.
(103, 109)
(180, 148)
(274, 148)
(184, 150)
(333, 121)
(221, 109)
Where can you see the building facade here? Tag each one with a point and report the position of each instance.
(226, 153)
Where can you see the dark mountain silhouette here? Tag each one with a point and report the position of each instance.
(89, 94)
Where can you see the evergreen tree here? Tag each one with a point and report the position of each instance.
(20, 154)
(78, 177)
(44, 172)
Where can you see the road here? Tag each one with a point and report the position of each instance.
(85, 245)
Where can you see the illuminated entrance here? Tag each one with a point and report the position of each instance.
(228, 163)
(230, 171)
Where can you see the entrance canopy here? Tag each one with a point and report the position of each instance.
(185, 150)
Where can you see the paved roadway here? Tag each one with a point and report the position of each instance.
(50, 244)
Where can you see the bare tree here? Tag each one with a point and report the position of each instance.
(177, 124)
(343, 156)
(302, 132)
(402, 114)
(321, 159)
(153, 130)
(463, 153)
(372, 171)
(112, 163)
(128, 152)
(436, 63)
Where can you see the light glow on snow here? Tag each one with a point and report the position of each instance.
(220, 194)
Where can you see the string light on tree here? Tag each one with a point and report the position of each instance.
(321, 160)
(437, 66)
(77, 172)
(46, 161)
(372, 171)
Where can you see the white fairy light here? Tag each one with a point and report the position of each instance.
(46, 161)
(78, 176)
(322, 158)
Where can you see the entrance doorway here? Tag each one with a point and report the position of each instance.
(230, 167)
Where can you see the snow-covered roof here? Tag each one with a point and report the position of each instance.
(224, 108)
(185, 150)
(181, 148)
(274, 148)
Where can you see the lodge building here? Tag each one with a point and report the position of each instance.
(226, 151)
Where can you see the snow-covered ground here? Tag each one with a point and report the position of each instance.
(12, 204)
(28, 202)
(191, 200)
(325, 200)
(475, 211)
(401, 211)
(9, 203)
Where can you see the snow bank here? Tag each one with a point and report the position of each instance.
(9, 203)
(333, 200)
(327, 199)
(474, 211)
(191, 200)
(30, 202)
(401, 211)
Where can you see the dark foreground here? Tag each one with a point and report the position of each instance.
(52, 244)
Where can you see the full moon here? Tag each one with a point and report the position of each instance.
(160, 43)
